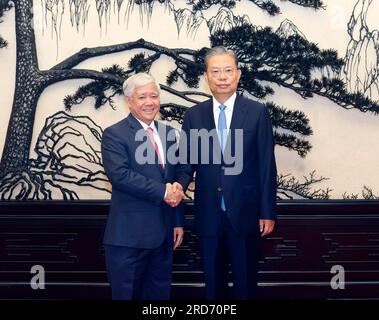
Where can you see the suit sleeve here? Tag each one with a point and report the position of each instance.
(122, 176)
(179, 210)
(267, 167)
(184, 171)
(179, 215)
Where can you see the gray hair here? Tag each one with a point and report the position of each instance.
(219, 50)
(138, 80)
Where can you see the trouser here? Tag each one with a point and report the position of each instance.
(225, 252)
(140, 274)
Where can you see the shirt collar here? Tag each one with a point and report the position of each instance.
(229, 104)
(145, 126)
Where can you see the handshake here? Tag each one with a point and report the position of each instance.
(174, 194)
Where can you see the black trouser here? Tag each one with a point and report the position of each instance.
(225, 248)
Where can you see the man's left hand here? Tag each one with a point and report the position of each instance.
(266, 226)
(178, 236)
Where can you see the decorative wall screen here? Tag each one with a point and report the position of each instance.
(315, 64)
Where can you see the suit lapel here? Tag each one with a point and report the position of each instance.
(238, 118)
(163, 132)
(133, 123)
(135, 126)
(210, 126)
(209, 120)
(239, 111)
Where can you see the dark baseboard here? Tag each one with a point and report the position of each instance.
(310, 238)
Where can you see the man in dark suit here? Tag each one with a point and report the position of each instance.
(143, 227)
(235, 194)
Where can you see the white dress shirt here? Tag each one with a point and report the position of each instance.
(229, 104)
(156, 138)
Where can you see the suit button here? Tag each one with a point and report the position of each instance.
(222, 168)
(219, 189)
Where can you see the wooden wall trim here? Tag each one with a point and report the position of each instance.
(311, 237)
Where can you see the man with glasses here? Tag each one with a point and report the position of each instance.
(233, 209)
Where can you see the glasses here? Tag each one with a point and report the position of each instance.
(228, 71)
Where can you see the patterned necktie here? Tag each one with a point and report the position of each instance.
(222, 135)
(150, 133)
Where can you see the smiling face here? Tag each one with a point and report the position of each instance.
(144, 103)
(222, 75)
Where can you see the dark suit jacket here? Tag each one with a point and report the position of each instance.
(249, 195)
(138, 215)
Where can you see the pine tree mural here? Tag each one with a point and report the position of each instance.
(267, 56)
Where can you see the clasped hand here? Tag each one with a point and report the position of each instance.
(174, 194)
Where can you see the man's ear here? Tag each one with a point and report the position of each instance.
(206, 77)
(239, 74)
